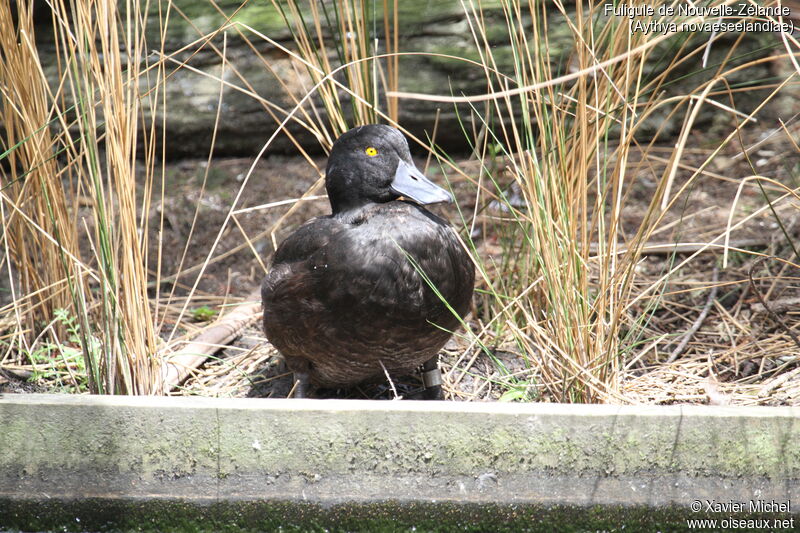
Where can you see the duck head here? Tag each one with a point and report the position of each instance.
(372, 164)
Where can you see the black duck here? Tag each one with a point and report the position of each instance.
(346, 298)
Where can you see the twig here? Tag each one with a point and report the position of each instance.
(666, 248)
(20, 374)
(700, 319)
(778, 306)
(777, 382)
(389, 379)
(294, 387)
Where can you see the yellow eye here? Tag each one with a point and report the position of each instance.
(371, 151)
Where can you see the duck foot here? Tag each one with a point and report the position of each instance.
(432, 379)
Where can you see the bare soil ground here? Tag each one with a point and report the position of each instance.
(739, 353)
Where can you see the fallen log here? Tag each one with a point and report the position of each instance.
(177, 366)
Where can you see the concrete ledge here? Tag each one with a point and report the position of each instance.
(332, 454)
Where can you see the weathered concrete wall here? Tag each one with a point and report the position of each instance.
(210, 451)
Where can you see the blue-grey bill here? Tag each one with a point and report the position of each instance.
(411, 183)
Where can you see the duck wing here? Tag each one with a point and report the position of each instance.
(381, 264)
(388, 262)
(290, 281)
(307, 239)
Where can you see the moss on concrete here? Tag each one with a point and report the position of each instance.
(144, 441)
(167, 516)
(119, 451)
(399, 443)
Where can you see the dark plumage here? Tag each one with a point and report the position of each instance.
(343, 294)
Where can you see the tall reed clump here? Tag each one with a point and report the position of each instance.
(39, 236)
(566, 287)
(91, 120)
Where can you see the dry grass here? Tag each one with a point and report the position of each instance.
(572, 297)
(572, 305)
(38, 229)
(91, 120)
